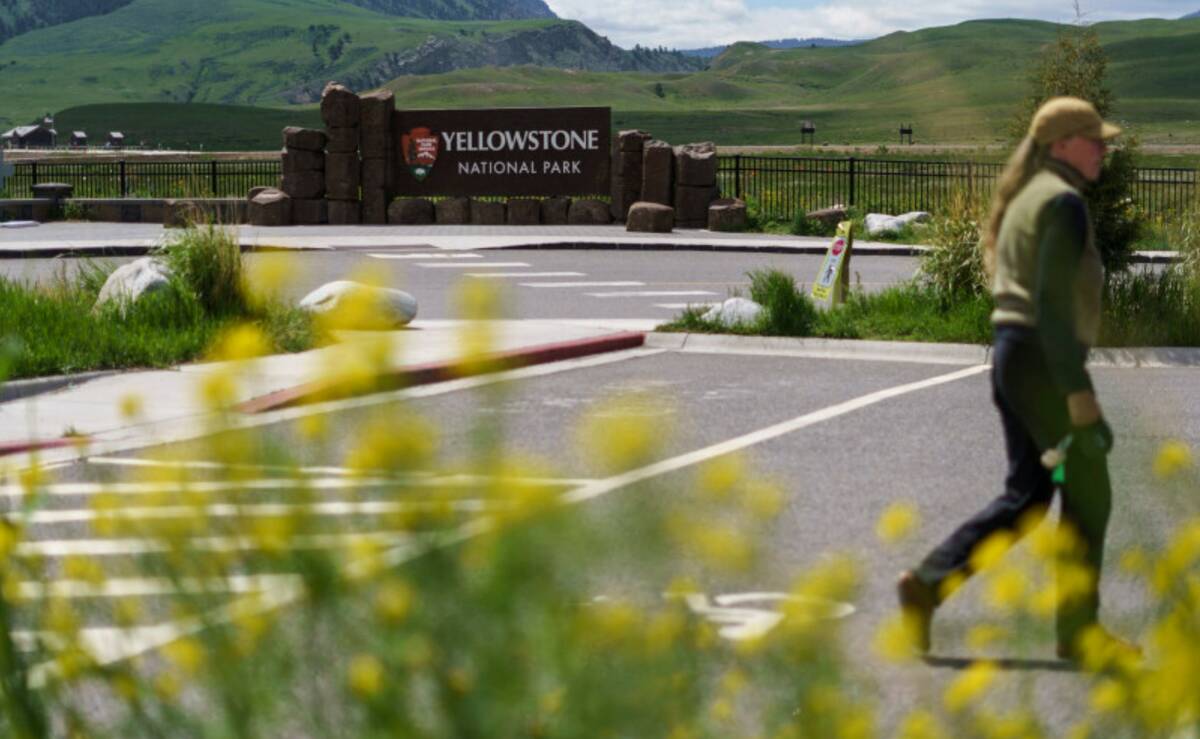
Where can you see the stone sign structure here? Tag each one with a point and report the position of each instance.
(513, 151)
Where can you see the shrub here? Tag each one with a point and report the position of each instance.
(787, 310)
(953, 266)
(207, 262)
(1148, 307)
(1119, 221)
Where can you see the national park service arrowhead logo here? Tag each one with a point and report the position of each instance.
(420, 148)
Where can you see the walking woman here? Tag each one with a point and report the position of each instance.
(1047, 279)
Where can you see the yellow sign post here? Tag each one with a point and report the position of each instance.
(833, 281)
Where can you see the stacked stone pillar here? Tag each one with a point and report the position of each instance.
(695, 183)
(341, 110)
(304, 174)
(375, 146)
(658, 172)
(627, 171)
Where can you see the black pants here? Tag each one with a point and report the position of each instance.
(1034, 416)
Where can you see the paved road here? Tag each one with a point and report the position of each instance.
(935, 442)
(539, 283)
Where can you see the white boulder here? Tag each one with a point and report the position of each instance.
(361, 306)
(129, 282)
(734, 311)
(882, 223)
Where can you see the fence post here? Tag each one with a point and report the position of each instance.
(852, 193)
(124, 182)
(33, 176)
(213, 172)
(737, 176)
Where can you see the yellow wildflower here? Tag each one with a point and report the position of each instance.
(896, 639)
(1109, 696)
(984, 635)
(1006, 589)
(187, 654)
(898, 522)
(130, 405)
(1173, 457)
(393, 600)
(244, 341)
(970, 686)
(921, 724)
(719, 476)
(365, 676)
(989, 551)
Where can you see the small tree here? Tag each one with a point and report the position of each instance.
(1076, 64)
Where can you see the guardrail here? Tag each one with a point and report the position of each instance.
(136, 179)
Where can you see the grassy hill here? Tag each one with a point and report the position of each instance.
(270, 53)
(957, 84)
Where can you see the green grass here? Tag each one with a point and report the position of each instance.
(1141, 308)
(51, 330)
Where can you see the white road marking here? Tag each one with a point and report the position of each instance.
(650, 293)
(626, 283)
(632, 477)
(250, 510)
(470, 265)
(683, 306)
(144, 587)
(203, 465)
(66, 489)
(525, 274)
(425, 256)
(135, 546)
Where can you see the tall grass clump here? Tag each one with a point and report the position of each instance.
(1151, 307)
(787, 310)
(207, 261)
(953, 266)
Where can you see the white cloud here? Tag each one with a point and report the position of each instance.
(710, 22)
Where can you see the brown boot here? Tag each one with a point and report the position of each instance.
(917, 603)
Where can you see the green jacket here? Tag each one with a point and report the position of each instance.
(1049, 275)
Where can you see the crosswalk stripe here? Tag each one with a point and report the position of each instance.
(231, 510)
(470, 265)
(524, 274)
(144, 587)
(129, 547)
(425, 256)
(627, 283)
(649, 293)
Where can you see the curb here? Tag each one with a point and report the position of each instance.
(24, 447)
(18, 389)
(427, 374)
(900, 250)
(1149, 357)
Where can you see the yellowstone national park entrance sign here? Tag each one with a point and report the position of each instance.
(506, 151)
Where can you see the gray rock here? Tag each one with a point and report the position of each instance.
(342, 140)
(374, 207)
(306, 139)
(299, 160)
(589, 212)
(307, 184)
(555, 210)
(339, 106)
(879, 224)
(271, 207)
(388, 308)
(524, 212)
(727, 214)
(658, 172)
(129, 282)
(255, 191)
(691, 205)
(411, 212)
(310, 212)
(344, 212)
(829, 217)
(650, 218)
(696, 164)
(734, 311)
(487, 213)
(453, 211)
(343, 173)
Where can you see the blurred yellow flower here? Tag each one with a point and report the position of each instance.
(1006, 589)
(898, 521)
(896, 639)
(365, 675)
(187, 654)
(625, 432)
(1173, 457)
(921, 724)
(989, 551)
(983, 636)
(130, 405)
(244, 341)
(970, 686)
(85, 569)
(721, 709)
(763, 499)
(719, 476)
(393, 600)
(1109, 696)
(218, 389)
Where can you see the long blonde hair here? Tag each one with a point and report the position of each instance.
(1020, 169)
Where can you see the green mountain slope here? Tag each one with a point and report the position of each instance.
(20, 16)
(272, 52)
(461, 10)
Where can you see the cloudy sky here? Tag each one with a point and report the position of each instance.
(694, 23)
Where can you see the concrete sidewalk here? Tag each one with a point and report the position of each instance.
(172, 402)
(117, 239)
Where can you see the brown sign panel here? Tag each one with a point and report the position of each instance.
(506, 151)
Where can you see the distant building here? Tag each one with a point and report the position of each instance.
(37, 136)
(116, 140)
(78, 139)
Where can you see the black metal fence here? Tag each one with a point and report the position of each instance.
(782, 187)
(137, 179)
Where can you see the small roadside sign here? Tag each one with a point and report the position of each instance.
(833, 281)
(6, 169)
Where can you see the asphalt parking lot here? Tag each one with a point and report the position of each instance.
(842, 438)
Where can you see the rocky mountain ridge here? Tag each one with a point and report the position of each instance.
(21, 16)
(480, 10)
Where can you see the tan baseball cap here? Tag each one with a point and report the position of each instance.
(1064, 117)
